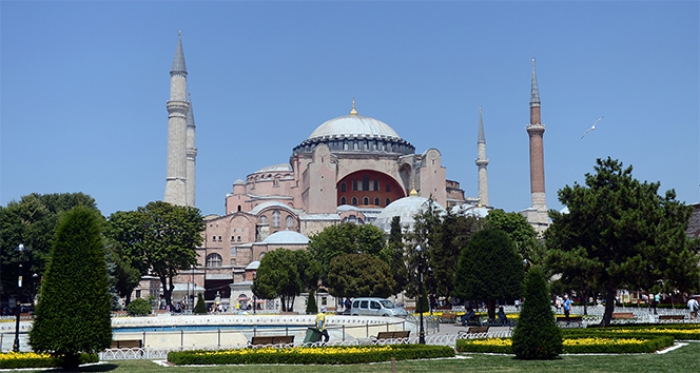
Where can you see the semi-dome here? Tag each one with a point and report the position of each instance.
(354, 125)
(406, 209)
(286, 238)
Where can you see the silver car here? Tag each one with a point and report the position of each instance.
(376, 307)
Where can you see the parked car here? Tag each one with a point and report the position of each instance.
(376, 307)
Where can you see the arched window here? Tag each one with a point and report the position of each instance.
(376, 201)
(343, 187)
(276, 219)
(263, 220)
(261, 256)
(214, 260)
(365, 201)
(343, 200)
(354, 201)
(388, 201)
(289, 223)
(365, 182)
(239, 208)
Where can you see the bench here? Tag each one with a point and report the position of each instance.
(472, 331)
(127, 343)
(671, 317)
(397, 335)
(272, 340)
(447, 318)
(623, 316)
(576, 320)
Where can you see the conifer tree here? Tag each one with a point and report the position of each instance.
(311, 307)
(537, 335)
(73, 313)
(201, 307)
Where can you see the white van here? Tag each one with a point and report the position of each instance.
(376, 307)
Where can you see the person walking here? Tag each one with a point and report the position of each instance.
(321, 324)
(567, 306)
(693, 308)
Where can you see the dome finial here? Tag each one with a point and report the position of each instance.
(353, 111)
(413, 192)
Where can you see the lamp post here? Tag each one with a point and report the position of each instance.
(20, 250)
(255, 302)
(421, 335)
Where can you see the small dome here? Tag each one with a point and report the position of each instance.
(286, 237)
(406, 208)
(354, 126)
(253, 265)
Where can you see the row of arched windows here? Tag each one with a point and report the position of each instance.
(276, 220)
(365, 201)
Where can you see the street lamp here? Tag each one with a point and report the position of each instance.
(255, 303)
(20, 250)
(421, 335)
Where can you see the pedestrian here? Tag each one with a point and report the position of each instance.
(469, 317)
(348, 304)
(693, 308)
(321, 324)
(567, 306)
(502, 316)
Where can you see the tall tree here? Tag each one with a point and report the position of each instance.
(489, 269)
(517, 228)
(285, 274)
(620, 233)
(159, 237)
(396, 252)
(32, 222)
(425, 232)
(359, 275)
(73, 313)
(346, 238)
(125, 243)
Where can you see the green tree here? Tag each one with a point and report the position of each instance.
(620, 233)
(285, 274)
(453, 235)
(537, 335)
(517, 228)
(32, 222)
(346, 238)
(489, 269)
(426, 233)
(160, 237)
(201, 307)
(125, 236)
(311, 307)
(73, 313)
(397, 256)
(139, 307)
(359, 275)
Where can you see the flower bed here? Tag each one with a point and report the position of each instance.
(573, 345)
(16, 360)
(310, 355)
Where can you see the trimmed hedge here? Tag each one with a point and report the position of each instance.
(677, 331)
(501, 346)
(13, 360)
(310, 355)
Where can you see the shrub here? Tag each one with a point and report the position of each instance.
(20, 360)
(201, 307)
(537, 335)
(139, 307)
(311, 307)
(311, 355)
(576, 345)
(74, 312)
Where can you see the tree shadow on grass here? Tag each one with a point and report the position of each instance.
(87, 368)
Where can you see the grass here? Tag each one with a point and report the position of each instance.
(684, 359)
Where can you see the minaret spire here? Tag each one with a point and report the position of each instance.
(178, 109)
(537, 214)
(481, 163)
(191, 155)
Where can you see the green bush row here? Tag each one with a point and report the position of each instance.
(650, 345)
(677, 331)
(322, 356)
(43, 362)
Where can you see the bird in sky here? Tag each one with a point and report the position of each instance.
(592, 127)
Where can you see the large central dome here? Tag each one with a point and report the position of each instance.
(354, 125)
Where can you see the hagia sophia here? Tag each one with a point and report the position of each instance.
(352, 168)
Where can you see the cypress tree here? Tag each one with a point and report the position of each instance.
(537, 335)
(311, 307)
(73, 313)
(201, 307)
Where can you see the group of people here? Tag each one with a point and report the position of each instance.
(470, 317)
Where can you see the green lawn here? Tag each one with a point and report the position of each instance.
(685, 359)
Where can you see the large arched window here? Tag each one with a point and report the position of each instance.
(276, 219)
(365, 201)
(289, 223)
(214, 260)
(263, 220)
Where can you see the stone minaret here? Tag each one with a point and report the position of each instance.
(178, 107)
(191, 156)
(481, 163)
(537, 215)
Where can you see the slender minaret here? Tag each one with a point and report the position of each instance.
(176, 178)
(191, 156)
(481, 163)
(535, 130)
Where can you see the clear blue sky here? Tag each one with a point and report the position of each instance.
(84, 86)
